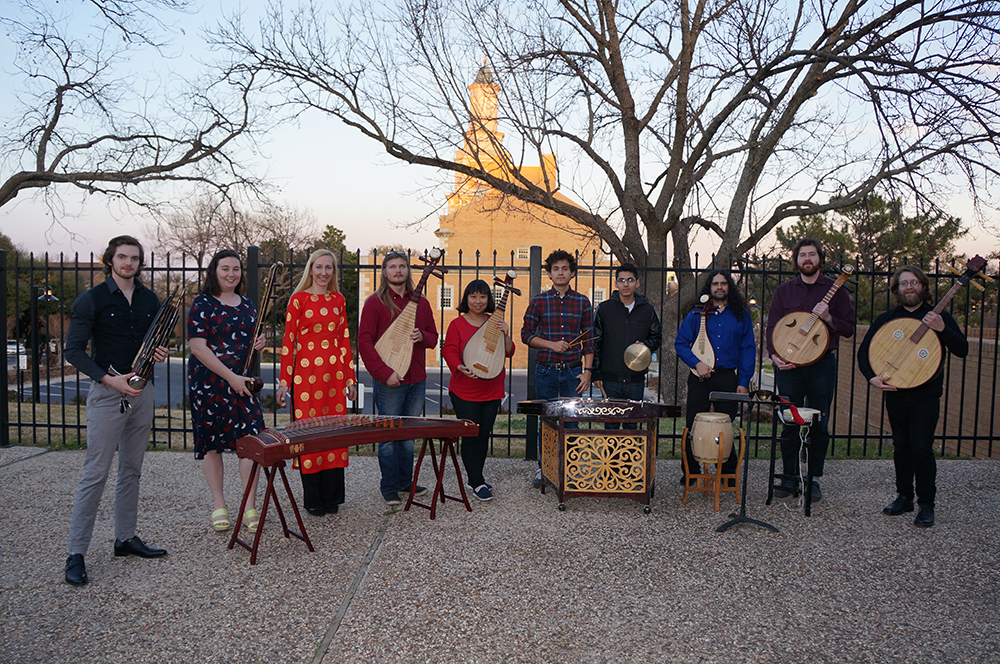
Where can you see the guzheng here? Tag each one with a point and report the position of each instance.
(597, 409)
(320, 434)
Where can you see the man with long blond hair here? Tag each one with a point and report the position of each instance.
(395, 394)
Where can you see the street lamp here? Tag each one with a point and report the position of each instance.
(45, 296)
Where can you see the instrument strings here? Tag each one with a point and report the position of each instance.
(329, 423)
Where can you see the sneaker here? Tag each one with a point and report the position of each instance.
(391, 498)
(421, 491)
(537, 482)
(483, 493)
(817, 495)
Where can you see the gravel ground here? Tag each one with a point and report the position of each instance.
(514, 581)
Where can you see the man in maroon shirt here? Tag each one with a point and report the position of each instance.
(395, 394)
(811, 385)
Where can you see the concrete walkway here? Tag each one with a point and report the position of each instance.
(515, 580)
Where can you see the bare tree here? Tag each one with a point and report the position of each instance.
(209, 223)
(727, 115)
(91, 120)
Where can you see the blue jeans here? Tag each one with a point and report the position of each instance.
(810, 386)
(395, 459)
(551, 383)
(632, 391)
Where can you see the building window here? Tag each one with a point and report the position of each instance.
(523, 253)
(445, 300)
(598, 295)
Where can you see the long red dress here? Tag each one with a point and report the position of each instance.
(316, 365)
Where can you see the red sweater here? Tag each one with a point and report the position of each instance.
(470, 389)
(376, 319)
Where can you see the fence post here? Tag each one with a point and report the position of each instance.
(4, 416)
(534, 288)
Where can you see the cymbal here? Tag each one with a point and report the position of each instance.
(638, 356)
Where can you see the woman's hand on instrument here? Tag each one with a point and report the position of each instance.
(416, 336)
(259, 343)
(394, 380)
(280, 396)
(161, 353)
(466, 370)
(704, 371)
(878, 382)
(352, 392)
(503, 327)
(934, 321)
(238, 384)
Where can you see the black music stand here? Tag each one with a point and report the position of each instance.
(742, 517)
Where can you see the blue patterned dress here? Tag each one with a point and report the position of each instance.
(219, 415)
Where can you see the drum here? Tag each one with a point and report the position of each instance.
(706, 432)
(806, 414)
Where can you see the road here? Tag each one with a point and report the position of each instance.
(170, 381)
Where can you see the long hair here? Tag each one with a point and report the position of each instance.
(921, 277)
(113, 245)
(481, 287)
(212, 285)
(383, 285)
(306, 282)
(735, 299)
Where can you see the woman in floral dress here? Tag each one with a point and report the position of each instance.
(223, 410)
(316, 367)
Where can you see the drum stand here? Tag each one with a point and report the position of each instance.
(807, 487)
(742, 517)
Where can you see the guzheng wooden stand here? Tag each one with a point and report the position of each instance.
(447, 449)
(272, 447)
(599, 462)
(270, 473)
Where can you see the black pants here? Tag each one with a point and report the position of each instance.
(721, 380)
(913, 422)
(810, 386)
(475, 448)
(324, 489)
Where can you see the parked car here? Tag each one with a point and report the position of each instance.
(15, 348)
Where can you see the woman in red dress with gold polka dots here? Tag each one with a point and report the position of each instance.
(316, 366)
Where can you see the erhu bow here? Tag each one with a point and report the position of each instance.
(255, 383)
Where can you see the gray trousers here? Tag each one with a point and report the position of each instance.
(108, 429)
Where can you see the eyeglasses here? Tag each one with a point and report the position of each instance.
(904, 284)
(627, 280)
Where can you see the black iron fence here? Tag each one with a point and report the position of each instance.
(46, 397)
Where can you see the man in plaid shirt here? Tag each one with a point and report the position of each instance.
(560, 323)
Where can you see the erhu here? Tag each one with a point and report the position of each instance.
(255, 383)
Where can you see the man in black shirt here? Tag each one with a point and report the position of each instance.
(114, 316)
(626, 318)
(913, 413)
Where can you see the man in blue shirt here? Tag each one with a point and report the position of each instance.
(730, 331)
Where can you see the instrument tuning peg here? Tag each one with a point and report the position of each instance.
(987, 278)
(978, 286)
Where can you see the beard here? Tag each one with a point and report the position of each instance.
(810, 270)
(914, 299)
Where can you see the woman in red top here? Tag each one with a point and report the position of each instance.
(316, 367)
(474, 399)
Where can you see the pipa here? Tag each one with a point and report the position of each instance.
(486, 351)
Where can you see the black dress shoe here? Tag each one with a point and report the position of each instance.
(135, 547)
(817, 495)
(925, 517)
(899, 506)
(332, 509)
(76, 571)
(316, 511)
